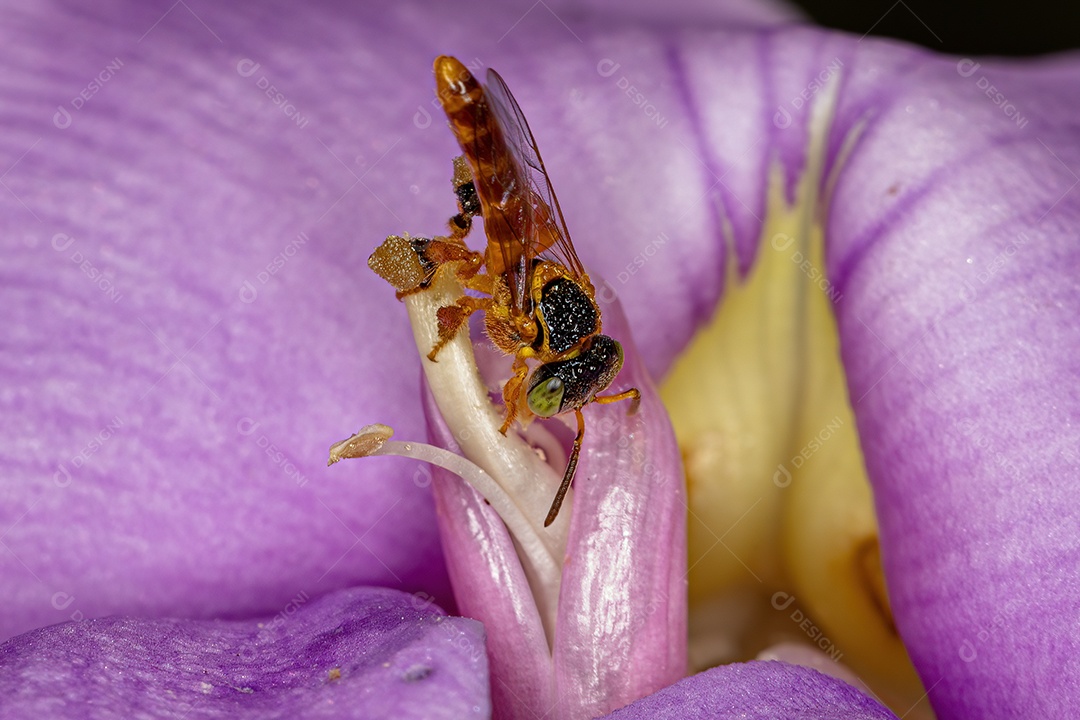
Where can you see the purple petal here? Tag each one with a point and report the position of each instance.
(189, 319)
(955, 252)
(363, 653)
(753, 690)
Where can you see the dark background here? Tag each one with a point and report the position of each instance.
(1031, 27)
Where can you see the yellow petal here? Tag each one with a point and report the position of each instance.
(781, 522)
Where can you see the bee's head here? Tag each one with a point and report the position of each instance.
(565, 385)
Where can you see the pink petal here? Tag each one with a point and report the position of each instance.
(621, 630)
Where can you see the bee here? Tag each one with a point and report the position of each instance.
(538, 302)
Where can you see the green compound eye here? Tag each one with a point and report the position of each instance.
(545, 399)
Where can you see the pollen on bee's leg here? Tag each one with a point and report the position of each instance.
(397, 262)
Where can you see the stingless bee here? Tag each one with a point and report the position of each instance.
(538, 301)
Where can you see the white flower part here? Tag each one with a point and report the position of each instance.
(526, 482)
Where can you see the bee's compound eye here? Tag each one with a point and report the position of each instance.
(546, 398)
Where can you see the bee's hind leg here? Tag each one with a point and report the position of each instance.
(468, 200)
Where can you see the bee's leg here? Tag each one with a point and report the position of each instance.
(468, 200)
(632, 395)
(571, 466)
(512, 391)
(452, 317)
